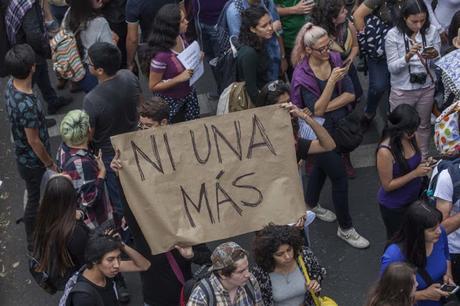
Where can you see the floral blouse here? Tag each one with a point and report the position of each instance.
(315, 271)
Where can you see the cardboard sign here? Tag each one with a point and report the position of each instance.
(212, 178)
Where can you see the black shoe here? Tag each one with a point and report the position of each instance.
(122, 289)
(50, 122)
(60, 102)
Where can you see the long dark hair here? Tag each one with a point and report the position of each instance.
(165, 28)
(80, 13)
(55, 224)
(411, 237)
(324, 12)
(250, 19)
(412, 7)
(402, 120)
(394, 287)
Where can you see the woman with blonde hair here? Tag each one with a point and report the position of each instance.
(323, 86)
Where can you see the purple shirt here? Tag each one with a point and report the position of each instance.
(166, 62)
(408, 193)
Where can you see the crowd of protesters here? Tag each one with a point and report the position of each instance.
(304, 55)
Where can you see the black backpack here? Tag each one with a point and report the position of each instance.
(348, 133)
(4, 42)
(201, 279)
(224, 67)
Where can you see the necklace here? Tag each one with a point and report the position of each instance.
(286, 278)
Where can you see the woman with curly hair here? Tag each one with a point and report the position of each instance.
(168, 78)
(278, 251)
(396, 287)
(252, 61)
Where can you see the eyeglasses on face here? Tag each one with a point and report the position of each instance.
(325, 48)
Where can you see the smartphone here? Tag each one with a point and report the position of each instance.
(345, 64)
(429, 49)
(451, 289)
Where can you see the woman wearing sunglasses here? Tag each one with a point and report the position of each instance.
(323, 86)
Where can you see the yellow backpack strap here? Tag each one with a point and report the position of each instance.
(307, 279)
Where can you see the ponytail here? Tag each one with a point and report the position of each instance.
(308, 35)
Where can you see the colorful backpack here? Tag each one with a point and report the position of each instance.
(447, 132)
(67, 62)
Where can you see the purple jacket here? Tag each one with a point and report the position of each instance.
(303, 76)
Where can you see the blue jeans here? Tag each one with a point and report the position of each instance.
(113, 185)
(88, 82)
(208, 40)
(274, 57)
(379, 82)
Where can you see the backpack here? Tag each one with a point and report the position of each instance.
(73, 285)
(66, 59)
(224, 68)
(348, 133)
(447, 131)
(201, 279)
(372, 39)
(453, 167)
(234, 98)
(4, 42)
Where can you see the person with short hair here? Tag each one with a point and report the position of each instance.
(112, 108)
(103, 263)
(28, 128)
(230, 281)
(86, 170)
(278, 252)
(397, 286)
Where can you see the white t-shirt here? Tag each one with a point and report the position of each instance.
(445, 191)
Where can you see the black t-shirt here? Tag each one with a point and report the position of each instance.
(112, 109)
(114, 11)
(107, 294)
(143, 12)
(160, 286)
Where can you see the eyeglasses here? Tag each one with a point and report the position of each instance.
(325, 48)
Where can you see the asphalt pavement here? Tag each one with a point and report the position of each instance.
(350, 272)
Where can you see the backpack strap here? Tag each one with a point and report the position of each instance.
(206, 287)
(84, 287)
(454, 173)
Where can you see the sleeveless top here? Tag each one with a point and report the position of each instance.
(406, 194)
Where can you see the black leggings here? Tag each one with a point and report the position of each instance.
(330, 164)
(392, 218)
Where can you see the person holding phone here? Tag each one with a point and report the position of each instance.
(422, 242)
(411, 46)
(320, 84)
(400, 167)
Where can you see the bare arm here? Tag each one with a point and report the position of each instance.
(385, 170)
(340, 101)
(156, 82)
(37, 146)
(136, 264)
(132, 41)
(450, 223)
(361, 12)
(324, 143)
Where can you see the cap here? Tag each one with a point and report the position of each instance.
(222, 256)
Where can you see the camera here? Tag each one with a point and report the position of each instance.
(418, 78)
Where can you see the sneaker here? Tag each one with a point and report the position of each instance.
(352, 237)
(324, 214)
(60, 102)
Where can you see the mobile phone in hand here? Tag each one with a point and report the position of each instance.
(451, 289)
(429, 50)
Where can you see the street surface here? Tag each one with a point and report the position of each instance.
(350, 272)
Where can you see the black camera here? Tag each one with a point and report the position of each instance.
(418, 78)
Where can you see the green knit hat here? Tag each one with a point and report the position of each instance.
(75, 128)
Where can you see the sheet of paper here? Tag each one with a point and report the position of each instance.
(191, 59)
(305, 131)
